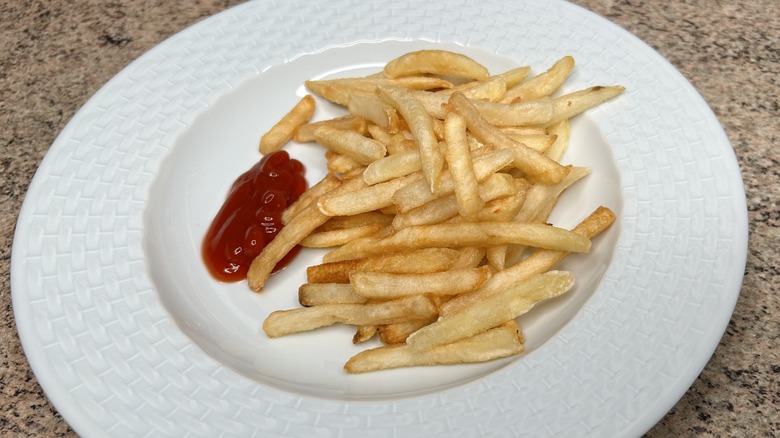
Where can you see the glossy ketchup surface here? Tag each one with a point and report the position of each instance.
(251, 216)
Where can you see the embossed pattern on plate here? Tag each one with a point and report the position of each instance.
(115, 364)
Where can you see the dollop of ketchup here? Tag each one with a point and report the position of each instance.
(251, 216)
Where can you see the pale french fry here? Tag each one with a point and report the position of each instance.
(466, 234)
(513, 76)
(392, 166)
(504, 305)
(490, 91)
(541, 143)
(572, 104)
(305, 133)
(470, 257)
(307, 220)
(421, 127)
(317, 294)
(328, 183)
(384, 286)
(461, 167)
(380, 135)
(438, 210)
(540, 261)
(373, 109)
(532, 112)
(420, 261)
(357, 220)
(283, 130)
(492, 344)
(340, 164)
(286, 322)
(542, 85)
(368, 199)
(400, 143)
(531, 162)
(560, 132)
(417, 193)
(436, 62)
(326, 239)
(362, 149)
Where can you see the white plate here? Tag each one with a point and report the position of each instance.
(129, 336)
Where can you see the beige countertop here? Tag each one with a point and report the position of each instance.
(55, 55)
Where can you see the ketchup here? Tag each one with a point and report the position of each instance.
(251, 216)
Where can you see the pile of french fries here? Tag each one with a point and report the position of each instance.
(440, 181)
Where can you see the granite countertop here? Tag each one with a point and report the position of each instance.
(55, 55)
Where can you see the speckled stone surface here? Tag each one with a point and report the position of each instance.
(55, 55)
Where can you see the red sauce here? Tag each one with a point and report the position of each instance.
(251, 216)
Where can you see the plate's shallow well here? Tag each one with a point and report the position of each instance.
(120, 354)
(224, 319)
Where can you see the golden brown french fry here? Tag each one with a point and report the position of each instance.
(380, 135)
(364, 332)
(502, 306)
(326, 239)
(466, 234)
(421, 127)
(461, 167)
(391, 334)
(282, 131)
(328, 183)
(541, 143)
(317, 294)
(470, 257)
(540, 261)
(285, 322)
(492, 344)
(362, 149)
(436, 62)
(340, 164)
(357, 220)
(542, 85)
(384, 286)
(531, 162)
(419, 261)
(305, 133)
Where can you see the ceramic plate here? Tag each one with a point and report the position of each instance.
(128, 334)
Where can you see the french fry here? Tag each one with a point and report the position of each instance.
(572, 104)
(461, 167)
(286, 322)
(362, 149)
(420, 261)
(421, 128)
(357, 220)
(384, 286)
(392, 166)
(326, 239)
(540, 261)
(340, 164)
(531, 162)
(464, 234)
(305, 133)
(436, 62)
(496, 309)
(364, 333)
(365, 200)
(317, 294)
(532, 112)
(283, 130)
(328, 183)
(390, 334)
(371, 108)
(560, 133)
(541, 85)
(492, 344)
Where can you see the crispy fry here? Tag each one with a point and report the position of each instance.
(305, 133)
(283, 130)
(317, 294)
(362, 149)
(371, 108)
(461, 166)
(542, 85)
(326, 239)
(397, 333)
(572, 104)
(364, 200)
(392, 166)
